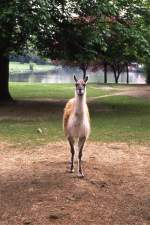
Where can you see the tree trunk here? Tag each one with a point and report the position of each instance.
(147, 71)
(84, 67)
(84, 72)
(105, 72)
(4, 79)
(117, 69)
(116, 78)
(115, 73)
(127, 73)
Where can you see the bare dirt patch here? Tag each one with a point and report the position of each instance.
(139, 91)
(35, 188)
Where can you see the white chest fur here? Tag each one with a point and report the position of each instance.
(78, 124)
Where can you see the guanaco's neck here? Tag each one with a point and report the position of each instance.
(80, 102)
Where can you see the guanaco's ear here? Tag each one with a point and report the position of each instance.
(85, 79)
(75, 78)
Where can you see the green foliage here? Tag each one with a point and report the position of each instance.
(126, 38)
(127, 41)
(74, 32)
(79, 32)
(18, 21)
(85, 32)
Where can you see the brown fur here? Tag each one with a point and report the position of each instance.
(67, 112)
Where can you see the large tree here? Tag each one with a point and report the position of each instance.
(18, 20)
(145, 12)
(126, 40)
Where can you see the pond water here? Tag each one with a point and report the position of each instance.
(65, 75)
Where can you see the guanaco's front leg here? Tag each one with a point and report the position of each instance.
(71, 142)
(80, 147)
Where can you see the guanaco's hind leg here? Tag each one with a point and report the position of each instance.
(71, 142)
(80, 147)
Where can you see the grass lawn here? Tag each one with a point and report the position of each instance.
(54, 91)
(122, 118)
(37, 117)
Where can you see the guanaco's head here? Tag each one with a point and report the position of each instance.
(80, 85)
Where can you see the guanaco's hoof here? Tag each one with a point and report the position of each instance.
(80, 175)
(71, 171)
(70, 168)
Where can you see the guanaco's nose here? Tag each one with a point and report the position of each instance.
(80, 91)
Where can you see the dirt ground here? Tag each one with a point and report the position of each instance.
(35, 188)
(138, 91)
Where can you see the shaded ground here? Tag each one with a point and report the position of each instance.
(35, 188)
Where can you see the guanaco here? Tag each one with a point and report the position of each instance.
(76, 122)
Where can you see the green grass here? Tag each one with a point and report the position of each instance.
(55, 91)
(115, 118)
(123, 119)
